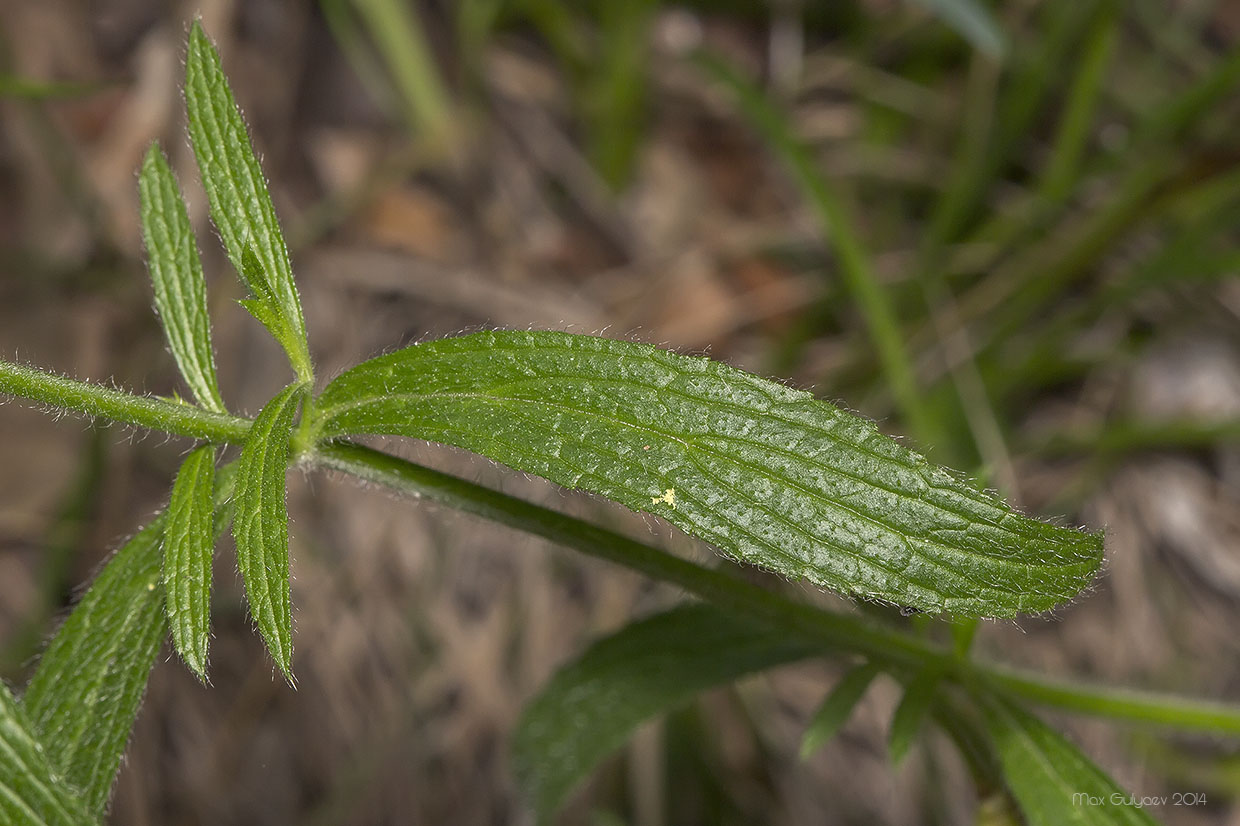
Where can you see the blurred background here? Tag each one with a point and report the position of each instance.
(1009, 238)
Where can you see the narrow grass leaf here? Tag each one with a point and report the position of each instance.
(240, 202)
(591, 707)
(769, 475)
(261, 525)
(856, 266)
(837, 708)
(85, 692)
(188, 545)
(911, 713)
(971, 21)
(1052, 781)
(176, 275)
(32, 793)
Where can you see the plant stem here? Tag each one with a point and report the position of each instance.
(731, 593)
(1104, 701)
(833, 631)
(144, 411)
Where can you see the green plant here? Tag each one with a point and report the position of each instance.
(767, 474)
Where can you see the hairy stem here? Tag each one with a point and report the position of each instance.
(833, 631)
(144, 411)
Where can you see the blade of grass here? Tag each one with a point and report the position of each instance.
(972, 21)
(401, 41)
(840, 230)
(1062, 172)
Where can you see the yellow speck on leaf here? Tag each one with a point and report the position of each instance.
(669, 496)
(150, 586)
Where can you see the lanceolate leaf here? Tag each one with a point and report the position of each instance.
(176, 274)
(912, 711)
(261, 526)
(836, 709)
(31, 791)
(85, 693)
(1052, 781)
(768, 474)
(591, 707)
(241, 205)
(972, 21)
(188, 544)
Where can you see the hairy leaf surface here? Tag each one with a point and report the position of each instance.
(31, 791)
(768, 474)
(188, 544)
(1052, 781)
(241, 205)
(176, 275)
(85, 693)
(261, 525)
(592, 706)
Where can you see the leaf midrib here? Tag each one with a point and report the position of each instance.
(690, 444)
(650, 356)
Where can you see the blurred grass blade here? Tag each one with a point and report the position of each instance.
(241, 205)
(58, 550)
(613, 99)
(911, 712)
(1052, 781)
(1062, 173)
(23, 88)
(591, 707)
(971, 21)
(399, 38)
(840, 230)
(768, 474)
(188, 545)
(31, 792)
(261, 526)
(837, 708)
(176, 274)
(85, 692)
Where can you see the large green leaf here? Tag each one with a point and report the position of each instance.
(31, 792)
(1052, 781)
(176, 274)
(592, 706)
(241, 205)
(85, 693)
(188, 545)
(261, 525)
(768, 474)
